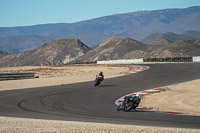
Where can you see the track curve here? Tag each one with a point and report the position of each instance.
(84, 102)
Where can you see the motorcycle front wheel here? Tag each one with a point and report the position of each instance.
(128, 106)
(96, 82)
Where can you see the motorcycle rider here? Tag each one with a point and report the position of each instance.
(136, 98)
(101, 76)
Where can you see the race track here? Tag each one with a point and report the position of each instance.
(84, 102)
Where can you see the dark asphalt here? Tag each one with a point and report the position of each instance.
(84, 102)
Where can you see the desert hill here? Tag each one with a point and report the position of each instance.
(153, 38)
(186, 47)
(126, 48)
(74, 51)
(192, 33)
(55, 53)
(162, 42)
(181, 48)
(113, 48)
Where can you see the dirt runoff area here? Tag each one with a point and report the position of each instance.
(57, 75)
(79, 73)
(183, 98)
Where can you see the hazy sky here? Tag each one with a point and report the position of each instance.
(32, 12)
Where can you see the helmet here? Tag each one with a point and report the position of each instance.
(101, 73)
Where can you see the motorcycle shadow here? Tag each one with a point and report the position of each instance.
(140, 111)
(107, 85)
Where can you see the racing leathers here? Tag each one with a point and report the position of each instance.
(101, 76)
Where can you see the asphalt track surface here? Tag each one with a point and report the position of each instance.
(84, 102)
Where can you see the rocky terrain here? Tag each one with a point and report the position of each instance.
(169, 36)
(113, 48)
(182, 48)
(55, 53)
(126, 48)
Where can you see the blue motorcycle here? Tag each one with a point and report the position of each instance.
(130, 102)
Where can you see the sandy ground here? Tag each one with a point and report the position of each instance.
(49, 76)
(16, 125)
(71, 74)
(184, 98)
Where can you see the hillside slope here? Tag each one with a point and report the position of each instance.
(113, 48)
(16, 44)
(126, 48)
(180, 48)
(55, 53)
(153, 38)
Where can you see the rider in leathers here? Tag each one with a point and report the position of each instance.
(101, 76)
(137, 99)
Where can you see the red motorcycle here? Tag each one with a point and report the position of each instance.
(98, 80)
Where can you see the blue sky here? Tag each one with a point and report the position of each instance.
(32, 12)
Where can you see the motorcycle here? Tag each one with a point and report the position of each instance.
(129, 103)
(97, 80)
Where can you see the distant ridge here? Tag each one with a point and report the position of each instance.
(14, 44)
(153, 38)
(180, 48)
(3, 52)
(136, 25)
(192, 33)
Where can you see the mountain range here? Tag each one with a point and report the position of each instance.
(66, 51)
(136, 25)
(16, 44)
